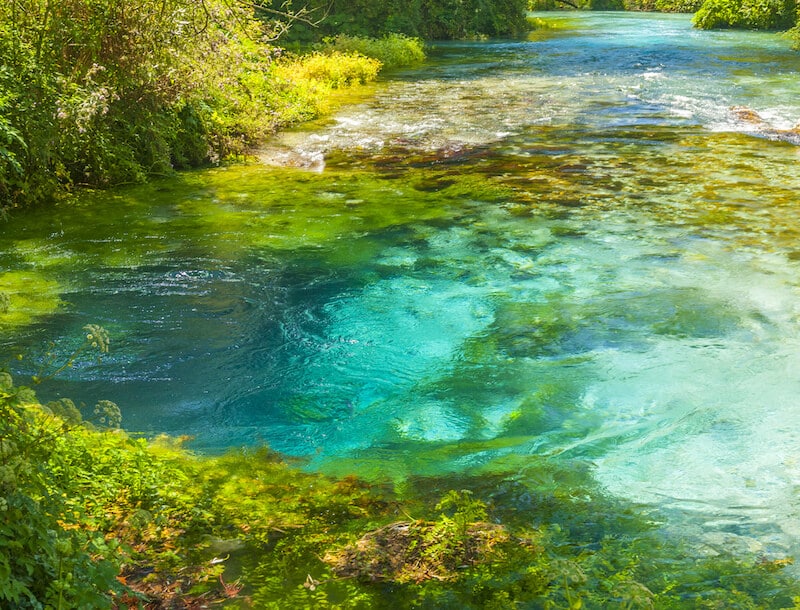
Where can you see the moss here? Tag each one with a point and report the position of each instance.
(29, 295)
(416, 551)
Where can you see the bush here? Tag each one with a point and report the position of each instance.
(89, 102)
(47, 558)
(746, 14)
(334, 69)
(106, 92)
(392, 50)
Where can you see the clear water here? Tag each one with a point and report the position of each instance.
(577, 247)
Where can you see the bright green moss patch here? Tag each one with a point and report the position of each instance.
(27, 296)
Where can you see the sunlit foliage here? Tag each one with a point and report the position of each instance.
(746, 14)
(392, 50)
(108, 92)
(95, 519)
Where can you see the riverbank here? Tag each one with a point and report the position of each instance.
(91, 518)
(85, 104)
(104, 94)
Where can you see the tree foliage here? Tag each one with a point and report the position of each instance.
(427, 19)
(106, 92)
(746, 14)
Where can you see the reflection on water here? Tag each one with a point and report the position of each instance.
(571, 247)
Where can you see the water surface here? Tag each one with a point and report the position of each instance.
(582, 247)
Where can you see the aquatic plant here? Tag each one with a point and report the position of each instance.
(115, 521)
(53, 363)
(25, 296)
(417, 551)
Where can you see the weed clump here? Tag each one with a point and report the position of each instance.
(417, 551)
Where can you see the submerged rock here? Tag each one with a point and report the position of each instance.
(415, 551)
(763, 127)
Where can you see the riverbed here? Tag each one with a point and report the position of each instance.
(582, 247)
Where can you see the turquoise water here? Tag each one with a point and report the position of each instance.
(579, 247)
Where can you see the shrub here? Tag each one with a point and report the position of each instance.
(392, 50)
(794, 36)
(334, 69)
(47, 558)
(746, 14)
(106, 92)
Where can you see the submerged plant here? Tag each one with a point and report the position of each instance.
(96, 339)
(417, 551)
(25, 296)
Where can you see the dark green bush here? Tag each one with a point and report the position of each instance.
(427, 19)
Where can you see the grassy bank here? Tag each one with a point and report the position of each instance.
(103, 93)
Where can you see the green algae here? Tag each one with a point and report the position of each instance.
(295, 209)
(29, 296)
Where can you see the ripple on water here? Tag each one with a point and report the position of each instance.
(571, 247)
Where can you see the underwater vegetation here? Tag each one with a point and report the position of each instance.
(93, 518)
(119, 520)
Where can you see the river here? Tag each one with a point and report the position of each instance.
(582, 247)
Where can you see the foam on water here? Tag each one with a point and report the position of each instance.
(617, 64)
